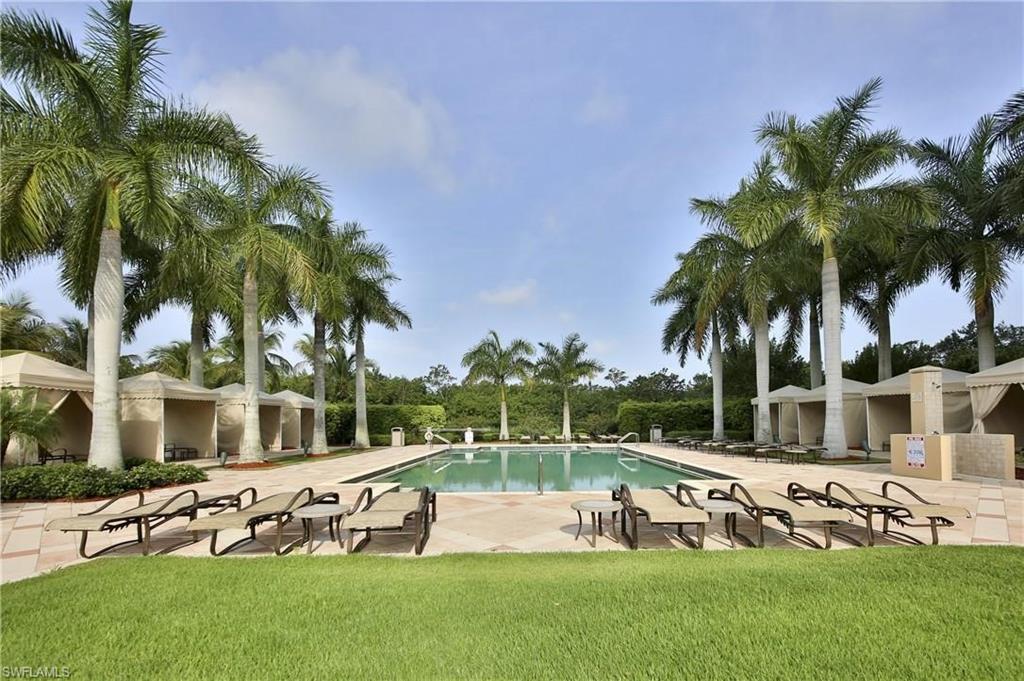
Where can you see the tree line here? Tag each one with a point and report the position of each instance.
(835, 215)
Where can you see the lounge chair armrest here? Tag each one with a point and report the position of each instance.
(327, 497)
(235, 500)
(365, 494)
(680, 489)
(833, 484)
(885, 491)
(296, 501)
(797, 492)
(137, 492)
(737, 487)
(716, 493)
(195, 500)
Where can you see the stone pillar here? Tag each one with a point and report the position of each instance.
(926, 400)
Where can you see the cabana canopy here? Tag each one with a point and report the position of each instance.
(234, 393)
(783, 412)
(888, 407)
(952, 382)
(294, 399)
(786, 393)
(811, 414)
(296, 419)
(851, 389)
(164, 417)
(231, 418)
(28, 370)
(997, 397)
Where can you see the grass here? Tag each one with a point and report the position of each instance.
(900, 613)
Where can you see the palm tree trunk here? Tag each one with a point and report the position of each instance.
(762, 347)
(362, 429)
(566, 426)
(985, 320)
(108, 297)
(832, 311)
(252, 444)
(814, 351)
(884, 342)
(90, 338)
(503, 432)
(319, 445)
(718, 408)
(196, 347)
(262, 349)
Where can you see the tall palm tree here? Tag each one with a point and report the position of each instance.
(686, 331)
(226, 359)
(253, 214)
(369, 303)
(339, 255)
(727, 265)
(831, 164)
(495, 363)
(976, 239)
(70, 342)
(173, 359)
(92, 144)
(22, 327)
(566, 366)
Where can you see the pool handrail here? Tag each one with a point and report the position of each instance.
(623, 438)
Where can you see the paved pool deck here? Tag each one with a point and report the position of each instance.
(494, 522)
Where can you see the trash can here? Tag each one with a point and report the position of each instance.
(655, 432)
(398, 437)
(468, 436)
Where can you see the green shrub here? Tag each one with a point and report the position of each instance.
(381, 418)
(694, 415)
(78, 481)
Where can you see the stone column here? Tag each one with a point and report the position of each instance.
(926, 400)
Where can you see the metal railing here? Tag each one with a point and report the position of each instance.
(430, 441)
(626, 436)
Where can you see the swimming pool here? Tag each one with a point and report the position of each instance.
(508, 469)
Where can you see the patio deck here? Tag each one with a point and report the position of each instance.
(507, 521)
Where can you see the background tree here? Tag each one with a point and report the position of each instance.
(24, 418)
(22, 327)
(617, 377)
(69, 342)
(565, 366)
(493, 362)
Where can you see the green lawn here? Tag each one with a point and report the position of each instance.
(899, 613)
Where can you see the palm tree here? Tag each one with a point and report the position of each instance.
(70, 342)
(565, 366)
(977, 238)
(490, 361)
(1010, 134)
(724, 264)
(831, 165)
(100, 151)
(369, 303)
(685, 330)
(250, 214)
(22, 327)
(173, 359)
(22, 417)
(226, 359)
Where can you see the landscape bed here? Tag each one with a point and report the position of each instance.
(901, 613)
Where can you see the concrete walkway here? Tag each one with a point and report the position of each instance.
(501, 522)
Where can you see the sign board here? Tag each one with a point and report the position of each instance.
(915, 451)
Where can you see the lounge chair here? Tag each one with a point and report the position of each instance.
(276, 507)
(144, 516)
(391, 511)
(525, 439)
(544, 440)
(583, 437)
(865, 504)
(764, 503)
(661, 508)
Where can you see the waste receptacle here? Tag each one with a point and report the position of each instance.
(655, 432)
(398, 437)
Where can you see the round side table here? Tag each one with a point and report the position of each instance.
(307, 514)
(729, 509)
(596, 507)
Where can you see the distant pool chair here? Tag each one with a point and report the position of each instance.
(865, 504)
(276, 508)
(759, 504)
(391, 512)
(661, 508)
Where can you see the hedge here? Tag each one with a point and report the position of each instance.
(79, 481)
(694, 415)
(381, 418)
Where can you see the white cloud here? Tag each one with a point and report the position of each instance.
(566, 317)
(602, 346)
(603, 107)
(321, 108)
(514, 294)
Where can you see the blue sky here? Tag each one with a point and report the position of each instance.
(530, 165)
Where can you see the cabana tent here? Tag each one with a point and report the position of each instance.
(997, 397)
(66, 389)
(231, 418)
(783, 410)
(811, 414)
(888, 407)
(296, 419)
(159, 411)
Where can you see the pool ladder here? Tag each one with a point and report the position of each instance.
(626, 436)
(540, 473)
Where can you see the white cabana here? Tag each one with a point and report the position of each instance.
(997, 397)
(888, 407)
(160, 412)
(811, 414)
(66, 389)
(296, 419)
(783, 410)
(231, 418)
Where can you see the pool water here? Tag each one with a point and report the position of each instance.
(518, 470)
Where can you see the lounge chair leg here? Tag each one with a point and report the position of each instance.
(701, 528)
(760, 529)
(828, 537)
(870, 526)
(935, 532)
(144, 528)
